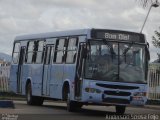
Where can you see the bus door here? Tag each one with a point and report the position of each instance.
(20, 69)
(79, 70)
(47, 69)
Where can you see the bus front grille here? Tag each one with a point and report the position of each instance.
(117, 93)
(122, 87)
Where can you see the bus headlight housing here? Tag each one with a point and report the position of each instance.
(92, 90)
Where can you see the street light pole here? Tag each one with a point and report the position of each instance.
(153, 5)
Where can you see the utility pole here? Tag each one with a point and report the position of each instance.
(156, 4)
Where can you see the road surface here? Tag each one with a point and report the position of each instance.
(57, 111)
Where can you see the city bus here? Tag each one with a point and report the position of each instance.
(82, 67)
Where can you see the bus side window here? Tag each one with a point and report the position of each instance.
(30, 50)
(39, 52)
(16, 53)
(71, 51)
(59, 51)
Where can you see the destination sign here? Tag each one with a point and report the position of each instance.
(118, 35)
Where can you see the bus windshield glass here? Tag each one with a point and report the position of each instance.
(116, 62)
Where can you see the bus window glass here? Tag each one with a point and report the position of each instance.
(121, 62)
(59, 58)
(71, 52)
(60, 48)
(16, 53)
(29, 57)
(30, 52)
(15, 58)
(40, 45)
(17, 47)
(72, 44)
(39, 55)
(71, 56)
(132, 62)
(31, 46)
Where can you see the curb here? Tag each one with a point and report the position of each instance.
(6, 104)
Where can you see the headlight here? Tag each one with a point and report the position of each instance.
(92, 90)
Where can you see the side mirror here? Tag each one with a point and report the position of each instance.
(147, 52)
(148, 45)
(84, 52)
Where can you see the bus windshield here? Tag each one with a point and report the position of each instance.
(116, 62)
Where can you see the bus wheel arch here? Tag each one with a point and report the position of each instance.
(65, 90)
(29, 97)
(32, 100)
(66, 96)
(28, 82)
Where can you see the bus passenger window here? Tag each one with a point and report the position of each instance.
(59, 52)
(16, 53)
(59, 58)
(30, 52)
(39, 55)
(71, 51)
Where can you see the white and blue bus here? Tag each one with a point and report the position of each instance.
(81, 67)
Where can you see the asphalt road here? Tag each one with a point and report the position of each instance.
(57, 111)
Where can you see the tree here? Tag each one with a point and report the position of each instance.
(158, 58)
(156, 39)
(156, 42)
(146, 2)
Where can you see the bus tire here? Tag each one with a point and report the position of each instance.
(32, 100)
(70, 104)
(120, 109)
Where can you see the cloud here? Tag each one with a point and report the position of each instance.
(34, 16)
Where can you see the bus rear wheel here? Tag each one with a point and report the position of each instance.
(32, 100)
(120, 109)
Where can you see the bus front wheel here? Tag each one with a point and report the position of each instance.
(72, 106)
(32, 100)
(120, 109)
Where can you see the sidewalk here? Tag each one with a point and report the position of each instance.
(157, 107)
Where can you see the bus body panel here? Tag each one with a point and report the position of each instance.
(13, 78)
(69, 75)
(46, 80)
(34, 74)
(26, 76)
(56, 82)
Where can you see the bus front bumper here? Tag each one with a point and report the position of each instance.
(104, 99)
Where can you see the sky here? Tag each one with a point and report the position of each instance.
(18, 17)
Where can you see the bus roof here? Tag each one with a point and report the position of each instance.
(76, 32)
(54, 34)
